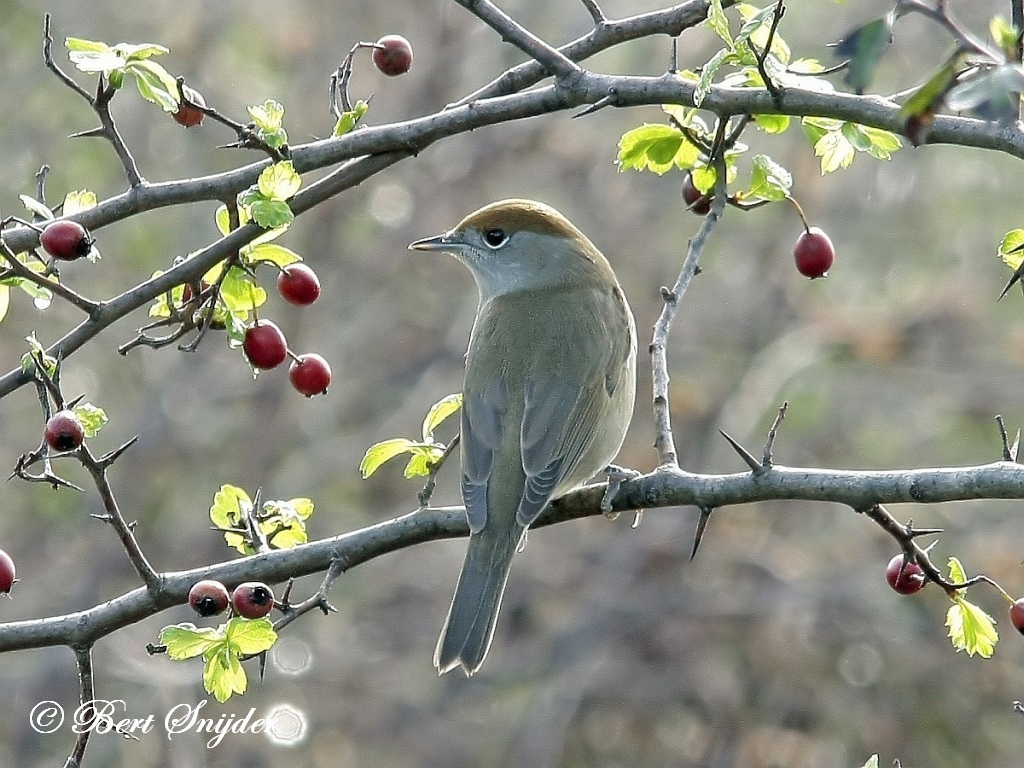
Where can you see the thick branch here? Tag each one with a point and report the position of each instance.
(666, 487)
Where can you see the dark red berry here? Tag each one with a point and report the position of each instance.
(298, 284)
(208, 597)
(310, 374)
(696, 201)
(1017, 615)
(64, 431)
(252, 600)
(7, 578)
(814, 253)
(392, 55)
(66, 240)
(186, 114)
(908, 582)
(264, 345)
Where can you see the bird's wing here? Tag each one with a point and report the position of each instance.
(482, 412)
(563, 414)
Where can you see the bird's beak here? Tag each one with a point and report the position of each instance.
(443, 242)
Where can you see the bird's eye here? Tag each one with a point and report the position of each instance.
(495, 238)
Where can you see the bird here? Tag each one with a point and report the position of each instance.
(548, 394)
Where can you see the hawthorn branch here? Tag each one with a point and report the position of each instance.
(665, 487)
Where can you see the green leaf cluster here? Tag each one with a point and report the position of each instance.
(268, 118)
(281, 523)
(114, 62)
(424, 454)
(266, 201)
(837, 142)
(222, 649)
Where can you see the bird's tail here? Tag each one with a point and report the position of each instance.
(469, 628)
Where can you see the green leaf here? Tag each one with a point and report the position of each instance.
(250, 636)
(80, 44)
(438, 412)
(971, 629)
(37, 351)
(36, 207)
(718, 22)
(1004, 34)
(155, 84)
(1011, 249)
(92, 418)
(91, 62)
(928, 95)
(756, 26)
(769, 180)
(279, 181)
(137, 52)
(116, 79)
(650, 147)
(230, 505)
(186, 641)
(865, 47)
(872, 762)
(78, 201)
(271, 214)
(348, 120)
(422, 460)
(384, 451)
(772, 123)
(239, 294)
(881, 143)
(5, 300)
(707, 75)
(268, 116)
(834, 150)
(272, 254)
(223, 674)
(957, 574)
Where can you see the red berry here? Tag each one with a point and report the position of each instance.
(252, 600)
(909, 581)
(1017, 615)
(298, 284)
(264, 345)
(310, 374)
(66, 240)
(392, 55)
(64, 431)
(6, 573)
(814, 253)
(695, 200)
(208, 597)
(187, 115)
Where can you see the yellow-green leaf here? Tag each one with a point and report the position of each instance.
(274, 254)
(230, 505)
(78, 201)
(279, 182)
(185, 641)
(383, 451)
(224, 675)
(835, 151)
(92, 418)
(1011, 249)
(249, 636)
(423, 458)
(438, 412)
(5, 300)
(957, 572)
(971, 629)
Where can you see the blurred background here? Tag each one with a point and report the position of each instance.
(779, 646)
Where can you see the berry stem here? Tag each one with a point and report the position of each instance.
(800, 211)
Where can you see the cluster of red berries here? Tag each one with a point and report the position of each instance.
(264, 343)
(251, 600)
(813, 252)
